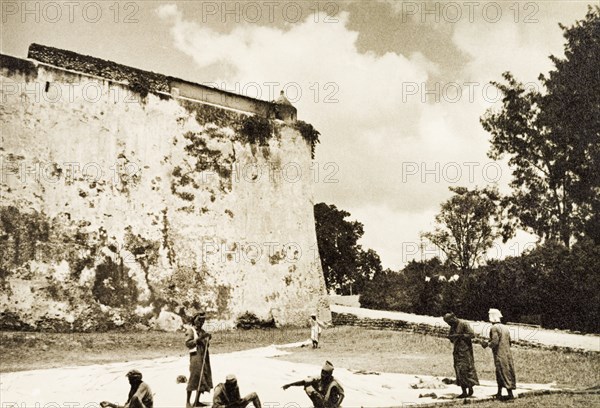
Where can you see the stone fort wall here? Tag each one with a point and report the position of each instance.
(126, 193)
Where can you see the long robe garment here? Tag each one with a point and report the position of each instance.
(464, 363)
(500, 345)
(197, 342)
(316, 327)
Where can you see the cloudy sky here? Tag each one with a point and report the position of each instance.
(396, 88)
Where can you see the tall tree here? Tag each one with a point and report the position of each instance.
(346, 266)
(467, 226)
(552, 140)
(337, 240)
(368, 265)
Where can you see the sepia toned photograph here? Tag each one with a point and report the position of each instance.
(299, 203)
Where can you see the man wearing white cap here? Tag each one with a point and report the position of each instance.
(323, 391)
(228, 395)
(500, 345)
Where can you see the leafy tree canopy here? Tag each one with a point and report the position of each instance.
(467, 226)
(552, 140)
(346, 266)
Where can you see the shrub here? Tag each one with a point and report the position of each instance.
(249, 321)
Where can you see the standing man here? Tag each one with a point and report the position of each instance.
(228, 395)
(197, 341)
(461, 335)
(140, 395)
(500, 345)
(316, 327)
(323, 391)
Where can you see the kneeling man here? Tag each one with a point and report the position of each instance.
(323, 391)
(140, 395)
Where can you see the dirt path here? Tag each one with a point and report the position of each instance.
(85, 386)
(542, 336)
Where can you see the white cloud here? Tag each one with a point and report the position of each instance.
(374, 130)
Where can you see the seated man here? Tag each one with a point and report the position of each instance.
(323, 391)
(140, 395)
(228, 395)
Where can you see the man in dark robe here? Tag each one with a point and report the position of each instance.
(228, 395)
(323, 391)
(464, 363)
(500, 345)
(140, 395)
(197, 341)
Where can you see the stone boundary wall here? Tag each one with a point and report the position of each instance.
(346, 319)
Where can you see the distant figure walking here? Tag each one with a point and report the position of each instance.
(228, 395)
(323, 391)
(316, 327)
(461, 335)
(140, 395)
(500, 345)
(197, 341)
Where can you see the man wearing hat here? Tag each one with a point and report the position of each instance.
(500, 345)
(316, 326)
(461, 335)
(140, 395)
(197, 341)
(323, 391)
(228, 395)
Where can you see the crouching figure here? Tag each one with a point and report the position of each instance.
(324, 391)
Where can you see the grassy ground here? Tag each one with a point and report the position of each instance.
(69, 349)
(391, 351)
(349, 347)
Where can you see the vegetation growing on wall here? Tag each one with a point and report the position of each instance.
(98, 67)
(140, 88)
(18, 66)
(20, 235)
(256, 130)
(208, 114)
(310, 134)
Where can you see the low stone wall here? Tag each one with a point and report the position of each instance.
(347, 319)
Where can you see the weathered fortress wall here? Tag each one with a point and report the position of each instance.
(124, 194)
